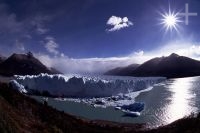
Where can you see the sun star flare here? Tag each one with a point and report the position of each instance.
(170, 20)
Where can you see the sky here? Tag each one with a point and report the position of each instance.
(92, 36)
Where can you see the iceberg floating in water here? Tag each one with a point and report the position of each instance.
(85, 86)
(131, 110)
(135, 107)
(131, 114)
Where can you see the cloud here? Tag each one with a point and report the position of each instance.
(51, 46)
(27, 36)
(8, 21)
(101, 65)
(19, 45)
(183, 48)
(39, 23)
(139, 53)
(41, 30)
(88, 65)
(22, 29)
(62, 55)
(193, 51)
(118, 23)
(188, 49)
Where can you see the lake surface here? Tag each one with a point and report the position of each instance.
(164, 103)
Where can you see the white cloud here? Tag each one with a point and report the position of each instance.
(41, 30)
(51, 45)
(139, 53)
(183, 48)
(88, 65)
(188, 49)
(62, 55)
(118, 23)
(101, 65)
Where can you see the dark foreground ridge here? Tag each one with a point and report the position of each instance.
(173, 66)
(19, 113)
(23, 64)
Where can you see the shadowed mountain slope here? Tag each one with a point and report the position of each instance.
(173, 66)
(23, 64)
(122, 71)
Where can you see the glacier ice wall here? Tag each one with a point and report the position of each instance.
(85, 86)
(17, 86)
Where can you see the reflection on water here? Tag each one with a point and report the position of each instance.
(180, 100)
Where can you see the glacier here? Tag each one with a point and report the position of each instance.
(97, 91)
(85, 86)
(17, 86)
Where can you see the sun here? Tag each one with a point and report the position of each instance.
(170, 20)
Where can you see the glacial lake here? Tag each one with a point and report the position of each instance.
(166, 102)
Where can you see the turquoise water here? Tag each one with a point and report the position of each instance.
(165, 103)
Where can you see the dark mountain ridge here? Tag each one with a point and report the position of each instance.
(173, 66)
(2, 58)
(122, 71)
(23, 64)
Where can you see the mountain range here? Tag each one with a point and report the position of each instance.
(172, 66)
(122, 71)
(23, 64)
